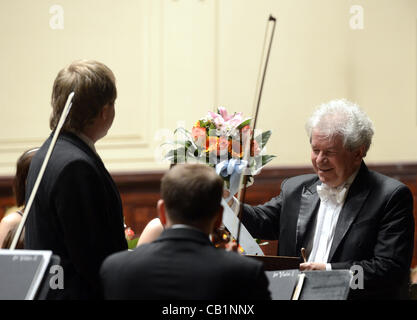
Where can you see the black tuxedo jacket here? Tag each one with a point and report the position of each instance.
(182, 264)
(77, 213)
(375, 229)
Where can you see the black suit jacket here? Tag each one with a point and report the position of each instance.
(375, 228)
(182, 264)
(77, 213)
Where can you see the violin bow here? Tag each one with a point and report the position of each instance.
(248, 148)
(26, 211)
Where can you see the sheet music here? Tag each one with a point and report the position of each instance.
(299, 286)
(282, 283)
(231, 222)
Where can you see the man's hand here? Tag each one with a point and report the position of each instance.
(226, 194)
(312, 266)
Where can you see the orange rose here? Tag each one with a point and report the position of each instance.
(223, 144)
(235, 149)
(218, 145)
(212, 143)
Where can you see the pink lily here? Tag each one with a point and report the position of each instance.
(224, 114)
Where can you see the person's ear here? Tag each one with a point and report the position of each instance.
(104, 112)
(358, 154)
(219, 219)
(160, 207)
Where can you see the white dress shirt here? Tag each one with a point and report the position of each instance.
(327, 216)
(331, 204)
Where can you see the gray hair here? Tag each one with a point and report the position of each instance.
(343, 118)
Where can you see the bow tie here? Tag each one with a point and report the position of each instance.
(335, 195)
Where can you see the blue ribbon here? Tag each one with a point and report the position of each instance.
(232, 168)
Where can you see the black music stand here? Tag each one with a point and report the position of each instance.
(273, 263)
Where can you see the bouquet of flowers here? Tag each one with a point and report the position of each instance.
(219, 140)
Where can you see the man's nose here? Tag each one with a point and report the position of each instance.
(321, 158)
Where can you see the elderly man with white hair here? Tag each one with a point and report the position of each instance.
(344, 214)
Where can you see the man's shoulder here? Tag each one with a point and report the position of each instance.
(67, 151)
(134, 257)
(116, 258)
(382, 178)
(144, 256)
(118, 263)
(384, 183)
(70, 148)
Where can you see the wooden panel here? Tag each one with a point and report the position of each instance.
(140, 192)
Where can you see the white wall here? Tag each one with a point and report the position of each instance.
(176, 59)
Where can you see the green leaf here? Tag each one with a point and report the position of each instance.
(204, 124)
(263, 138)
(190, 145)
(131, 244)
(176, 152)
(175, 142)
(183, 130)
(244, 123)
(267, 158)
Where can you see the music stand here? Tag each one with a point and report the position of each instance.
(22, 272)
(273, 263)
(315, 285)
(44, 287)
(326, 285)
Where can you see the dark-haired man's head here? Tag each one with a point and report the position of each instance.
(191, 195)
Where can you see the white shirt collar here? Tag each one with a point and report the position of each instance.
(183, 226)
(337, 194)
